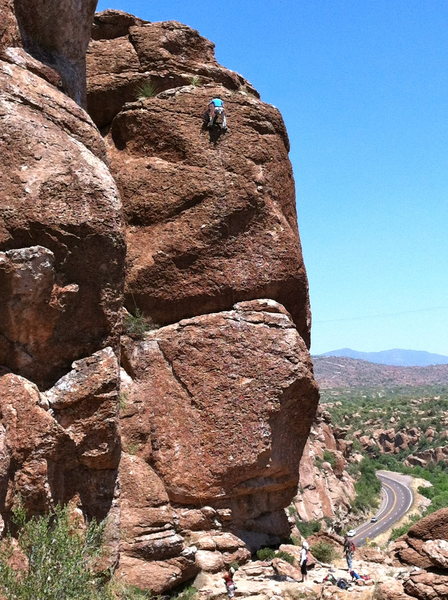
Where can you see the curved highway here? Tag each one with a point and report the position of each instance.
(397, 499)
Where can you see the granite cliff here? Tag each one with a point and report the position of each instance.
(188, 435)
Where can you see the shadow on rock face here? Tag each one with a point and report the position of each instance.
(214, 133)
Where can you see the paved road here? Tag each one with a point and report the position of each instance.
(397, 499)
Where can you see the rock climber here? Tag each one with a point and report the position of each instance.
(216, 113)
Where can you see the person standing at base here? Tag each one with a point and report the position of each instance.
(349, 550)
(304, 560)
(230, 585)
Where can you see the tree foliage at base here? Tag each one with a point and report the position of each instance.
(367, 487)
(324, 552)
(59, 559)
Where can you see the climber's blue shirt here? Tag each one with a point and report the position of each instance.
(217, 102)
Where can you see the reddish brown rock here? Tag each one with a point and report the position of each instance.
(9, 32)
(53, 456)
(425, 544)
(284, 569)
(432, 527)
(437, 551)
(326, 490)
(56, 34)
(209, 223)
(127, 52)
(392, 590)
(85, 403)
(157, 576)
(34, 446)
(427, 586)
(60, 227)
(201, 407)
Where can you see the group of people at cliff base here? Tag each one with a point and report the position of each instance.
(305, 561)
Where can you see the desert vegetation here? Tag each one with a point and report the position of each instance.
(402, 429)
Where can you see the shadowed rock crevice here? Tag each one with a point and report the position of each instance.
(57, 34)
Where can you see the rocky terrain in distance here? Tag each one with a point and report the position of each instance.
(340, 372)
(155, 321)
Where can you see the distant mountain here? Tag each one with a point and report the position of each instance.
(397, 357)
(342, 372)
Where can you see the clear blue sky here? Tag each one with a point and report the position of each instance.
(363, 88)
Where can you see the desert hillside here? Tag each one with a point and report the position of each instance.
(340, 372)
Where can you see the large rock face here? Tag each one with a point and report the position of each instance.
(61, 445)
(217, 400)
(415, 549)
(236, 452)
(211, 221)
(61, 272)
(9, 32)
(61, 269)
(126, 52)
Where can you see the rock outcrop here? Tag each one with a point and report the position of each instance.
(127, 52)
(211, 221)
(217, 399)
(56, 34)
(61, 445)
(61, 233)
(426, 547)
(326, 489)
(234, 452)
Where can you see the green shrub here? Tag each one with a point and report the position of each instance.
(60, 559)
(329, 457)
(324, 552)
(122, 400)
(121, 591)
(195, 80)
(285, 556)
(265, 554)
(135, 326)
(367, 487)
(148, 89)
(399, 531)
(188, 593)
(308, 528)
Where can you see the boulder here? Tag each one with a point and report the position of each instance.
(84, 402)
(284, 569)
(432, 527)
(61, 237)
(427, 586)
(51, 456)
(9, 32)
(243, 444)
(437, 551)
(56, 34)
(391, 590)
